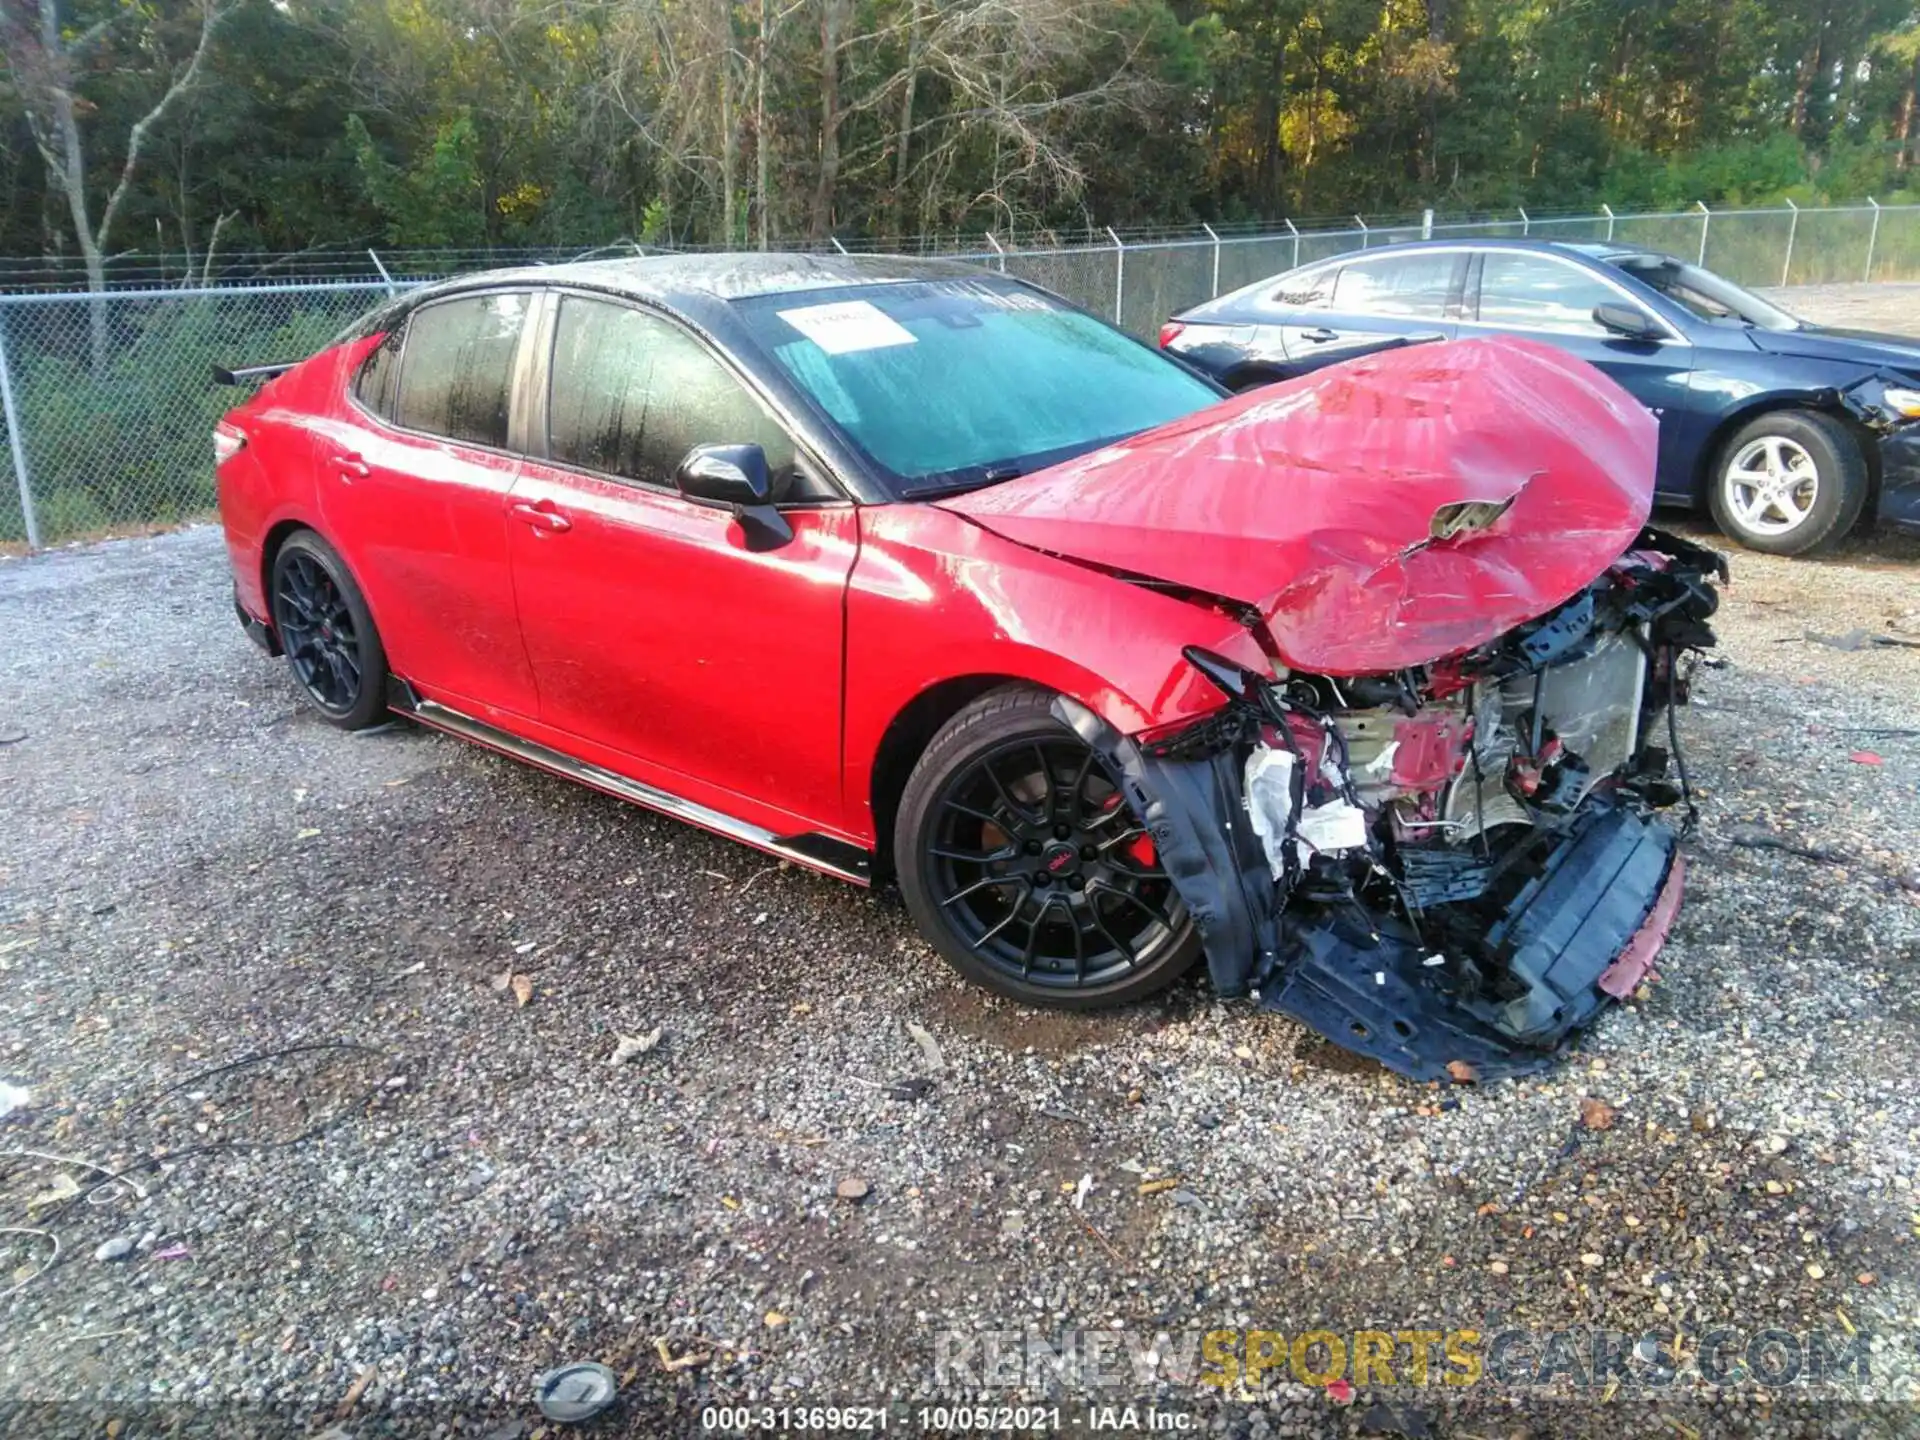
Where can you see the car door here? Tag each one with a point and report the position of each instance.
(1351, 306)
(654, 631)
(414, 493)
(1551, 298)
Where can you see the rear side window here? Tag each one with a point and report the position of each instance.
(378, 372)
(1310, 291)
(1416, 286)
(632, 394)
(458, 368)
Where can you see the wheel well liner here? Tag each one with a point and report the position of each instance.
(906, 739)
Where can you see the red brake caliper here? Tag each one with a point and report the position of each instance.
(1140, 848)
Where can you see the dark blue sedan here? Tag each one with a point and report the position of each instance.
(1788, 432)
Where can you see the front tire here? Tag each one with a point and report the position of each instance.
(327, 633)
(1022, 863)
(1789, 482)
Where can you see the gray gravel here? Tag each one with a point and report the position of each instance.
(1891, 305)
(196, 872)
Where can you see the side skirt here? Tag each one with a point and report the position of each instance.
(258, 631)
(816, 852)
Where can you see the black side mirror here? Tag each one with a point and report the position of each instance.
(1629, 322)
(737, 477)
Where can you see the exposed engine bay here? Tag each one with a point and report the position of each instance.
(1452, 867)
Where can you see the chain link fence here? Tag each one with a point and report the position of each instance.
(109, 400)
(109, 403)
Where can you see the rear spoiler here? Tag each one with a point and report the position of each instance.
(246, 374)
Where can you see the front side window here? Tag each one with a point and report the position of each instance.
(458, 366)
(1535, 292)
(949, 384)
(1415, 285)
(632, 393)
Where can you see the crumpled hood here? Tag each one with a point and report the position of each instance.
(1865, 348)
(1317, 500)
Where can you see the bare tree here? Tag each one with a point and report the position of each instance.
(833, 21)
(762, 140)
(903, 130)
(998, 65)
(45, 62)
(906, 95)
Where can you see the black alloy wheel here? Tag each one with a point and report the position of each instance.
(323, 625)
(1025, 865)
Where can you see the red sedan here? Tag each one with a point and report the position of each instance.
(1360, 685)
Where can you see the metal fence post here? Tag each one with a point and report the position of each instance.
(1607, 210)
(1294, 231)
(1706, 217)
(1426, 223)
(1786, 265)
(1216, 256)
(383, 271)
(998, 252)
(1872, 236)
(1119, 274)
(17, 442)
(1365, 234)
(1526, 225)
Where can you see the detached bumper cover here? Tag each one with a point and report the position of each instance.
(1898, 441)
(1513, 880)
(1899, 507)
(1369, 986)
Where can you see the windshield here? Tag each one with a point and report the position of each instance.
(949, 384)
(1706, 294)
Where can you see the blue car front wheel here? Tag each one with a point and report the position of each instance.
(1789, 482)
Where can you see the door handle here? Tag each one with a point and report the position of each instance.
(352, 466)
(1320, 335)
(542, 515)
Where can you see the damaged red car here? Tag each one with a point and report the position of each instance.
(1361, 686)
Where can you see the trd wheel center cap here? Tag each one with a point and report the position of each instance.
(1059, 858)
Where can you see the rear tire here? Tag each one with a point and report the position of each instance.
(327, 632)
(1021, 862)
(1788, 482)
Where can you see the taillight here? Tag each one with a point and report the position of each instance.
(1170, 332)
(227, 442)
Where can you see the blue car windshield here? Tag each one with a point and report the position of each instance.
(1710, 297)
(951, 384)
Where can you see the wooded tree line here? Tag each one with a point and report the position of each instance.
(200, 125)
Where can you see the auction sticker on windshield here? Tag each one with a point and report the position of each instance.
(847, 326)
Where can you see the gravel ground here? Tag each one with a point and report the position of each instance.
(1893, 306)
(437, 1183)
